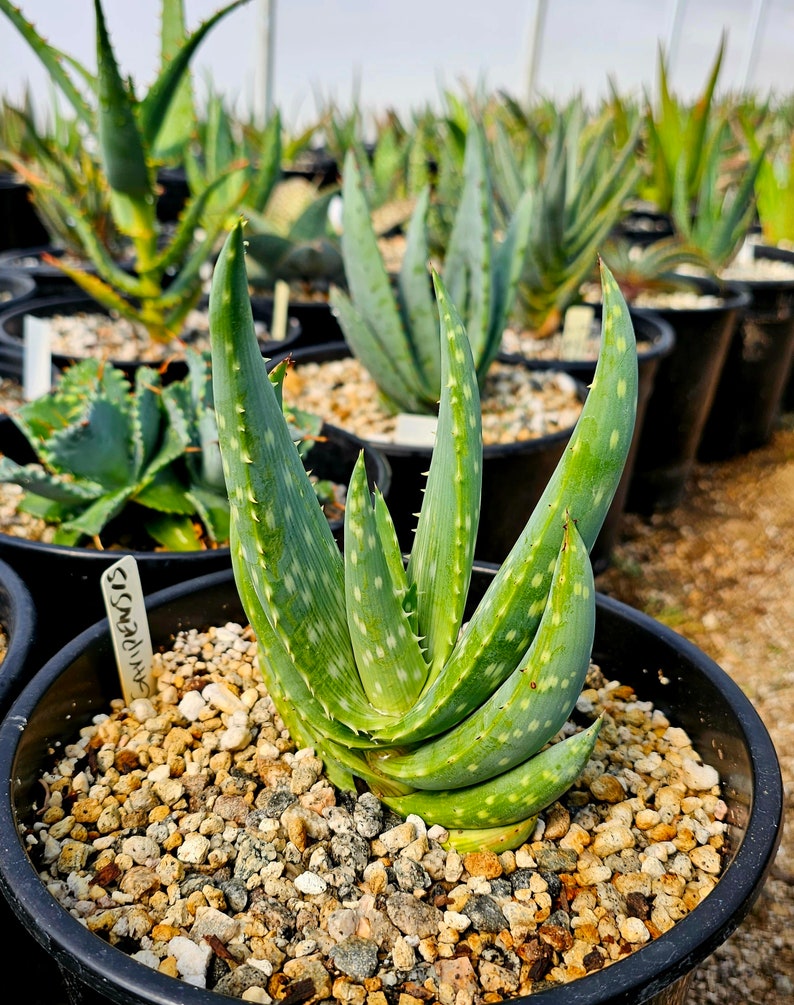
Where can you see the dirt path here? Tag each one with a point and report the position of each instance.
(720, 570)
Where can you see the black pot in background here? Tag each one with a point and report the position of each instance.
(514, 476)
(644, 226)
(64, 581)
(658, 341)
(12, 330)
(174, 193)
(317, 321)
(21, 227)
(15, 288)
(49, 280)
(18, 622)
(751, 392)
(684, 388)
(631, 647)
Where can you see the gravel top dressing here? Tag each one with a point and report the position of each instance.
(188, 831)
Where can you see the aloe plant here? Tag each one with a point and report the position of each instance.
(392, 329)
(678, 136)
(774, 185)
(653, 268)
(365, 656)
(724, 208)
(579, 195)
(128, 131)
(104, 447)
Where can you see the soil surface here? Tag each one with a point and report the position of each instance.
(719, 569)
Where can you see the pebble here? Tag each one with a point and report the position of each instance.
(249, 848)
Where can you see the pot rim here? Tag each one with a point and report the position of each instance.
(647, 971)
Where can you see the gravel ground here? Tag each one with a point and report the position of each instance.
(720, 570)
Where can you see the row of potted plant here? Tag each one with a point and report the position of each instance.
(360, 634)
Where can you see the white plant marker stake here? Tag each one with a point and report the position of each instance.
(415, 430)
(278, 326)
(129, 628)
(576, 331)
(37, 358)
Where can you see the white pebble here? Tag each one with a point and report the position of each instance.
(310, 883)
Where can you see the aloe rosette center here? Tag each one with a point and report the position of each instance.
(367, 656)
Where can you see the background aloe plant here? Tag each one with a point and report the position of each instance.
(392, 328)
(128, 131)
(363, 654)
(104, 447)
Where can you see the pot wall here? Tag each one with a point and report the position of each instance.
(684, 389)
(658, 663)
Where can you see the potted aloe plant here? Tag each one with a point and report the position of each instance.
(390, 328)
(361, 653)
(156, 281)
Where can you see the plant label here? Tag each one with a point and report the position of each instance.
(129, 628)
(415, 430)
(37, 358)
(576, 331)
(278, 325)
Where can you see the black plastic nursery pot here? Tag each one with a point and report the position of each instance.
(656, 340)
(658, 663)
(683, 391)
(64, 581)
(48, 279)
(15, 288)
(752, 389)
(18, 623)
(514, 475)
(318, 323)
(12, 331)
(22, 226)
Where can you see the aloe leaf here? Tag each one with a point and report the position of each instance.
(92, 520)
(52, 59)
(495, 839)
(268, 170)
(174, 533)
(96, 448)
(213, 508)
(416, 297)
(367, 347)
(154, 107)
(178, 123)
(443, 549)
(468, 258)
(371, 291)
(529, 708)
(303, 712)
(34, 478)
(283, 534)
(120, 142)
(510, 797)
(389, 659)
(583, 484)
(313, 221)
(145, 417)
(165, 492)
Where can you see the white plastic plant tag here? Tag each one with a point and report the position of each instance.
(37, 358)
(746, 253)
(415, 430)
(278, 325)
(576, 331)
(129, 628)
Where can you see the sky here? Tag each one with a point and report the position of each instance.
(405, 55)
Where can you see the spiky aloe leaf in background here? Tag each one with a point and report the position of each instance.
(166, 282)
(367, 658)
(393, 328)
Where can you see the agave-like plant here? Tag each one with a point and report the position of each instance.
(724, 208)
(392, 327)
(166, 281)
(104, 447)
(366, 656)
